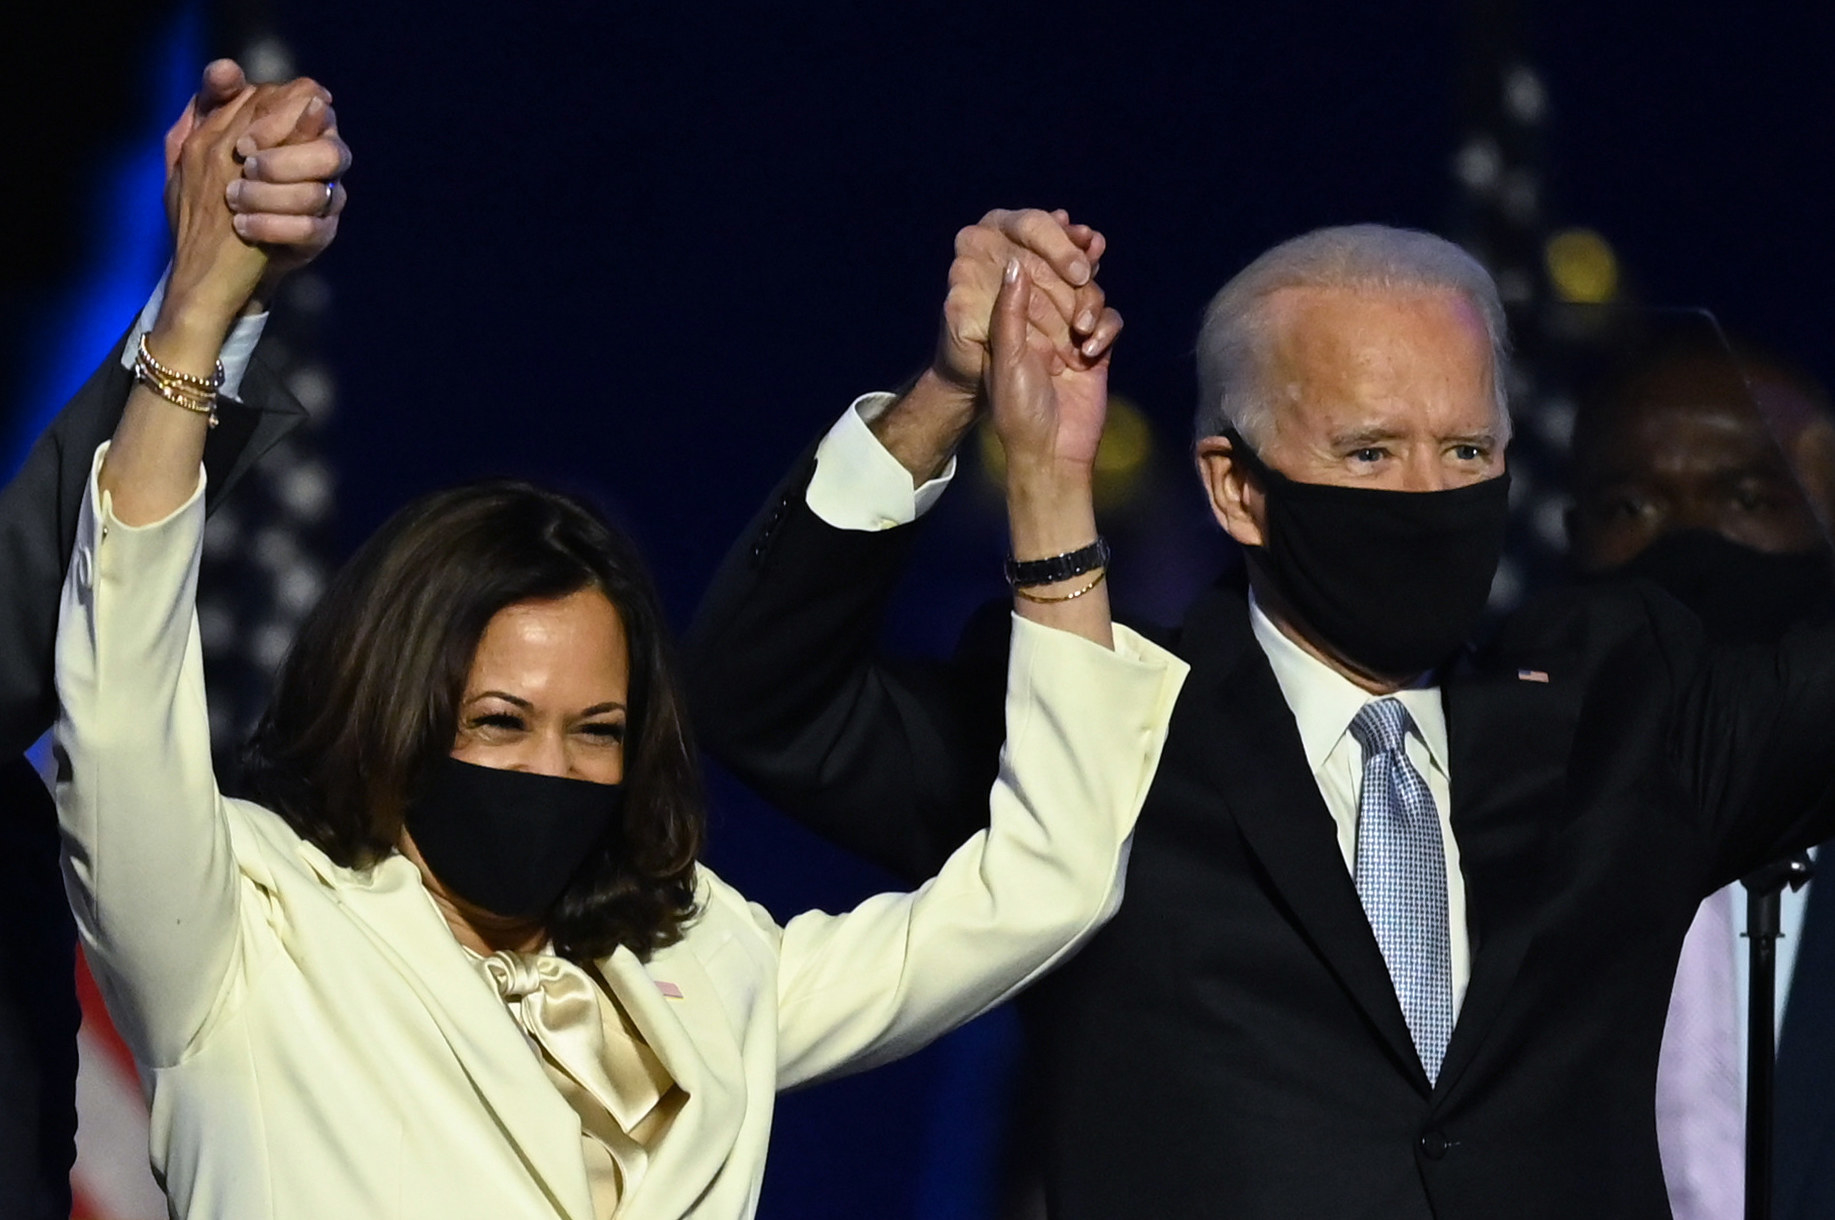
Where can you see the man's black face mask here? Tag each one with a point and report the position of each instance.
(1741, 595)
(1393, 581)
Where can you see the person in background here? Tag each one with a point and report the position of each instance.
(1710, 474)
(290, 200)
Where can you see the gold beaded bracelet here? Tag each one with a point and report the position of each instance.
(195, 394)
(1101, 575)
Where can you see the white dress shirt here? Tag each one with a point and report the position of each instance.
(1324, 702)
(858, 485)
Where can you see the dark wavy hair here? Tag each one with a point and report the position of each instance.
(368, 699)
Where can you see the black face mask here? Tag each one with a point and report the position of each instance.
(1741, 595)
(508, 841)
(1393, 581)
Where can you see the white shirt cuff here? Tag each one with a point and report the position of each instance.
(238, 347)
(858, 484)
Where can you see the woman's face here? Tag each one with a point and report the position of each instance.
(547, 690)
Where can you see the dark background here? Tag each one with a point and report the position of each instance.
(650, 251)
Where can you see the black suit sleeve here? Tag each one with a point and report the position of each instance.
(1753, 737)
(890, 759)
(38, 513)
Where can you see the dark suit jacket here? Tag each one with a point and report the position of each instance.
(1231, 1045)
(38, 1008)
(1804, 1155)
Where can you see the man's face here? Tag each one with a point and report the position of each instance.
(1680, 456)
(1389, 390)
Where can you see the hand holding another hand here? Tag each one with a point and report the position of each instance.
(1060, 259)
(273, 154)
(1049, 418)
(1048, 413)
(1064, 308)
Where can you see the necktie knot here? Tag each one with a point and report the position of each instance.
(1381, 726)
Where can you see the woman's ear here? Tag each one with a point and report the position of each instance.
(1236, 500)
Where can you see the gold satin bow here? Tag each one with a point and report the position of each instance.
(602, 1066)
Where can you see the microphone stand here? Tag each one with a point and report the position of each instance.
(1762, 929)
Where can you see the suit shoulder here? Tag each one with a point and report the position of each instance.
(1595, 619)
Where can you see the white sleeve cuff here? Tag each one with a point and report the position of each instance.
(858, 485)
(238, 347)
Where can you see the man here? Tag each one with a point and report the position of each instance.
(1710, 478)
(1401, 918)
(286, 199)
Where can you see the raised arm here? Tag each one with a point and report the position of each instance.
(1087, 709)
(148, 859)
(891, 758)
(39, 505)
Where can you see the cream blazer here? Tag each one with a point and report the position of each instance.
(315, 1045)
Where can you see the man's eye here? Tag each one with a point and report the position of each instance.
(1470, 453)
(1369, 453)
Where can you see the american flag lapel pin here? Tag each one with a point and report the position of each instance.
(1532, 675)
(669, 989)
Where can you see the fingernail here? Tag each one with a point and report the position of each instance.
(1091, 347)
(251, 167)
(1012, 270)
(234, 191)
(1080, 272)
(315, 105)
(241, 224)
(1086, 320)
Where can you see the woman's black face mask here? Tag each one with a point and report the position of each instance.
(508, 841)
(1392, 581)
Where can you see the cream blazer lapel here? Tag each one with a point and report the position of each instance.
(690, 1031)
(394, 910)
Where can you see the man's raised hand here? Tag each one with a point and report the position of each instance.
(1060, 260)
(288, 197)
(1064, 308)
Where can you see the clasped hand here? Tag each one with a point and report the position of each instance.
(252, 189)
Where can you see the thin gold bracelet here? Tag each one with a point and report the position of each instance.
(209, 385)
(1068, 597)
(175, 396)
(197, 395)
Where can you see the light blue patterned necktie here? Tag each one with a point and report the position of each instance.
(1401, 878)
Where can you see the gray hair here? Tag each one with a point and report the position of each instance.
(1234, 340)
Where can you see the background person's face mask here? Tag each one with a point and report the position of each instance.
(1741, 595)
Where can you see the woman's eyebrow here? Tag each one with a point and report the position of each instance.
(503, 695)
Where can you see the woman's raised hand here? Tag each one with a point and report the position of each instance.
(216, 268)
(1049, 419)
(152, 466)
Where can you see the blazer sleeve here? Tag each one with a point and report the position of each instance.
(889, 758)
(1085, 730)
(148, 864)
(38, 519)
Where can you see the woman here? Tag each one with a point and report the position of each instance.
(457, 958)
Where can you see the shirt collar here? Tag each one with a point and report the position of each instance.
(1324, 701)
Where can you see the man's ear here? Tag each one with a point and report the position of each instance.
(1236, 499)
